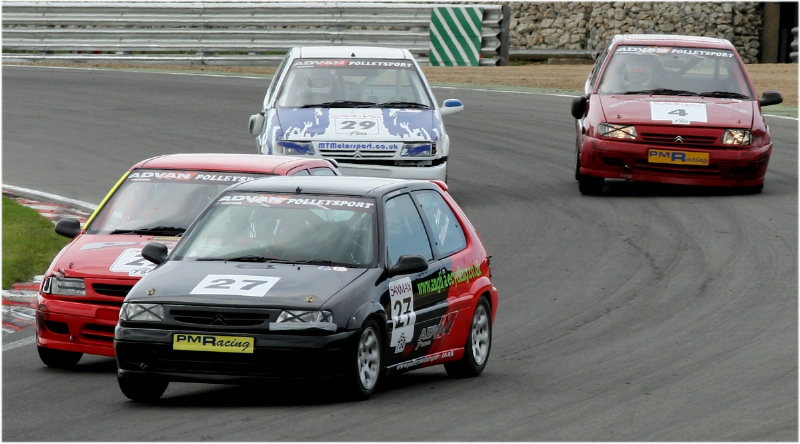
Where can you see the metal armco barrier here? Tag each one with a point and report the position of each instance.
(224, 32)
(456, 36)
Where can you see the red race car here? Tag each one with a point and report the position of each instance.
(78, 303)
(671, 109)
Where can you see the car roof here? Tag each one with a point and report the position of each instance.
(257, 163)
(672, 40)
(353, 52)
(336, 185)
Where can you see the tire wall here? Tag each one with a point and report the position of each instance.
(590, 25)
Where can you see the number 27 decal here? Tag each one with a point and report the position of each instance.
(239, 285)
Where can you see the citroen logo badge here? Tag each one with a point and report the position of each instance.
(218, 320)
(678, 139)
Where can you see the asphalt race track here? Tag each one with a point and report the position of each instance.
(648, 314)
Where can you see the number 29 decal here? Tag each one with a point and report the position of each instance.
(365, 126)
(236, 285)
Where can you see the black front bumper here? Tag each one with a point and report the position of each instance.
(275, 356)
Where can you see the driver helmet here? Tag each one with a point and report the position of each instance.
(319, 81)
(637, 73)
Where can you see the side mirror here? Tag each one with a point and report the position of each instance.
(579, 107)
(409, 263)
(770, 98)
(452, 106)
(256, 123)
(68, 227)
(155, 252)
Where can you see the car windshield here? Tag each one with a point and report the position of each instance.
(161, 202)
(353, 84)
(303, 229)
(675, 71)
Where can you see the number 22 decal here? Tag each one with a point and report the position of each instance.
(240, 285)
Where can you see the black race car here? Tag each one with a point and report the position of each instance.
(350, 278)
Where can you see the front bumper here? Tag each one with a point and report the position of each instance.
(286, 356)
(80, 327)
(434, 172)
(624, 160)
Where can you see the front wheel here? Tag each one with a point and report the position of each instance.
(142, 388)
(58, 358)
(479, 343)
(365, 365)
(590, 186)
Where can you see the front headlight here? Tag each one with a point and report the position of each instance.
(617, 131)
(736, 137)
(64, 286)
(418, 149)
(290, 148)
(305, 316)
(141, 312)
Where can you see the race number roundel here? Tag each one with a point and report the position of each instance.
(678, 113)
(235, 285)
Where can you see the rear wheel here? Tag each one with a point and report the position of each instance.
(142, 388)
(58, 358)
(366, 363)
(479, 343)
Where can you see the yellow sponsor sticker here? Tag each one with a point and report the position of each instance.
(678, 157)
(212, 343)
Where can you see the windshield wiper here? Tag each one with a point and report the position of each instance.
(401, 104)
(327, 262)
(340, 104)
(254, 258)
(724, 95)
(174, 231)
(664, 92)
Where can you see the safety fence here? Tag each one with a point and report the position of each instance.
(248, 33)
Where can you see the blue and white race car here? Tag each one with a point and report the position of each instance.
(369, 108)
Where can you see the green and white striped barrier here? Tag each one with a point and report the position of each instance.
(456, 36)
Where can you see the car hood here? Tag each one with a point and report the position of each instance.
(353, 124)
(675, 110)
(108, 256)
(243, 283)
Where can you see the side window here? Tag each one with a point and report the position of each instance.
(596, 70)
(448, 236)
(274, 83)
(321, 171)
(301, 173)
(405, 233)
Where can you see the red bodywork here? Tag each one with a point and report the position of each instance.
(633, 159)
(111, 264)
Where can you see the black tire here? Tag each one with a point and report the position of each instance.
(366, 363)
(142, 388)
(753, 190)
(58, 358)
(478, 346)
(590, 185)
(577, 165)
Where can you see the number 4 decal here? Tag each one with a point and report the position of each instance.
(679, 113)
(239, 285)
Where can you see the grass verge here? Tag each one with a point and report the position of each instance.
(29, 243)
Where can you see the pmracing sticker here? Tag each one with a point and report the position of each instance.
(679, 113)
(238, 285)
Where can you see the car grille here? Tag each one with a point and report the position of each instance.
(232, 317)
(685, 139)
(359, 154)
(112, 289)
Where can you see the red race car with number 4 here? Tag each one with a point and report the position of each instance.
(671, 109)
(346, 279)
(78, 303)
